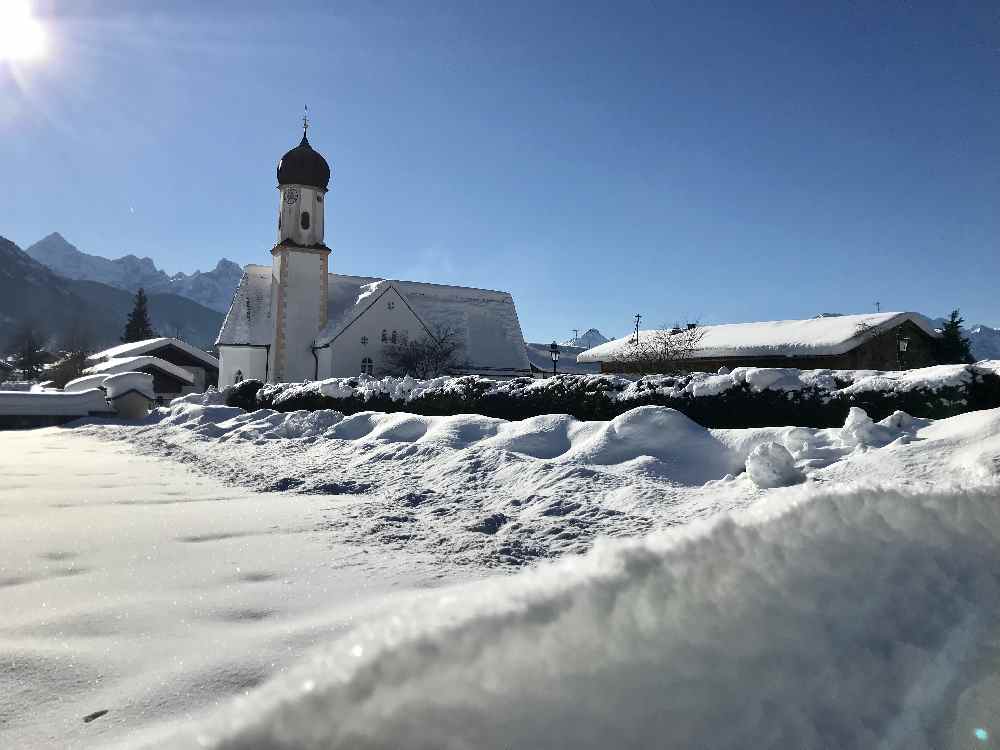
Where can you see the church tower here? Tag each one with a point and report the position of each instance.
(301, 263)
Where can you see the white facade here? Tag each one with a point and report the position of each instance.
(242, 362)
(360, 347)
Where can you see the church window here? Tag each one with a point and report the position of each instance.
(385, 336)
(391, 305)
(367, 366)
(394, 337)
(364, 341)
(305, 219)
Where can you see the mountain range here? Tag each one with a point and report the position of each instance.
(214, 289)
(65, 308)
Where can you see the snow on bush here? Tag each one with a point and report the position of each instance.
(771, 465)
(745, 397)
(850, 621)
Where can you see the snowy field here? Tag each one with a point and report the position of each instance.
(247, 580)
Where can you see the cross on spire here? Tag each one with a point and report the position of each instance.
(305, 121)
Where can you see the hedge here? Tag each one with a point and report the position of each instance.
(747, 397)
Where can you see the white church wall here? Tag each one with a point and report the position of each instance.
(364, 337)
(251, 362)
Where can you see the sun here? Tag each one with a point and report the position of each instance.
(21, 35)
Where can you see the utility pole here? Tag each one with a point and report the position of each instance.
(638, 317)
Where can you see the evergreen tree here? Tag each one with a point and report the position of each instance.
(953, 347)
(138, 327)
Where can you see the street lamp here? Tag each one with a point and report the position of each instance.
(554, 351)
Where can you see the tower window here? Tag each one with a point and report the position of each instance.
(305, 220)
(385, 336)
(394, 337)
(364, 341)
(367, 366)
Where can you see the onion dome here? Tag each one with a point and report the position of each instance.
(304, 166)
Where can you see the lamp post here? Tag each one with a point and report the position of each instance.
(902, 342)
(554, 351)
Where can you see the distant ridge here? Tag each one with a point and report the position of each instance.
(62, 308)
(213, 289)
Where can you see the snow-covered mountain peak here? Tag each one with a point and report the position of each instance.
(213, 289)
(591, 338)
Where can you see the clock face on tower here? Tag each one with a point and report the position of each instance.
(291, 196)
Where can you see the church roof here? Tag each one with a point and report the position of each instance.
(486, 319)
(248, 321)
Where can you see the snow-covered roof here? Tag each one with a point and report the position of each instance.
(134, 364)
(827, 335)
(248, 322)
(137, 348)
(486, 319)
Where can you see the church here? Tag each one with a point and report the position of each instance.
(294, 320)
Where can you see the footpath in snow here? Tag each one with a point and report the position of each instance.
(133, 586)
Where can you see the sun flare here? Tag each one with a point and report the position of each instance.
(21, 35)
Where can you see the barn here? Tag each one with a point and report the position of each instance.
(875, 341)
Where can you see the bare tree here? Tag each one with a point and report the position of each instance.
(661, 351)
(78, 344)
(438, 352)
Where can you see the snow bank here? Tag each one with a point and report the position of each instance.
(127, 382)
(853, 620)
(771, 465)
(52, 403)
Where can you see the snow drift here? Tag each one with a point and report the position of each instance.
(855, 620)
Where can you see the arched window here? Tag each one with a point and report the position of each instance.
(305, 219)
(364, 341)
(367, 366)
(394, 337)
(385, 336)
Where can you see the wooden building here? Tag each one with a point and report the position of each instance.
(877, 341)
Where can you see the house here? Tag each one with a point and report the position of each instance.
(875, 341)
(296, 321)
(176, 366)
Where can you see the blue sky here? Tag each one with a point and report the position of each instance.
(721, 162)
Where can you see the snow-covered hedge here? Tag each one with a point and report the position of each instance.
(745, 397)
